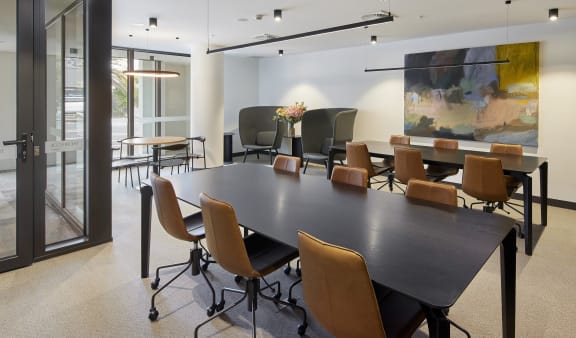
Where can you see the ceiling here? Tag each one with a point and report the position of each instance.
(234, 22)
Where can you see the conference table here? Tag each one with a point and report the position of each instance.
(426, 251)
(155, 142)
(518, 166)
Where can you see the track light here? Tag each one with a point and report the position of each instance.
(153, 23)
(277, 15)
(553, 14)
(280, 52)
(373, 39)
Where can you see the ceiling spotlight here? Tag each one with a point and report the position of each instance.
(553, 14)
(280, 52)
(277, 15)
(373, 39)
(153, 23)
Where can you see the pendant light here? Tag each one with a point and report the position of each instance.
(156, 73)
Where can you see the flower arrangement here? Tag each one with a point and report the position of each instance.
(291, 114)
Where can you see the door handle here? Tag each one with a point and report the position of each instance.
(22, 145)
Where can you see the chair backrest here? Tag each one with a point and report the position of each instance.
(322, 128)
(256, 125)
(338, 290)
(168, 210)
(433, 192)
(352, 176)
(287, 163)
(510, 149)
(223, 237)
(408, 164)
(400, 139)
(357, 156)
(483, 179)
(445, 143)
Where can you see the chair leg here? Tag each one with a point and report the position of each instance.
(270, 156)
(245, 154)
(222, 312)
(276, 299)
(291, 299)
(153, 314)
(306, 165)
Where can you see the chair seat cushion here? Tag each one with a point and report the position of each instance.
(400, 315)
(256, 146)
(265, 138)
(267, 255)
(195, 225)
(315, 156)
(440, 171)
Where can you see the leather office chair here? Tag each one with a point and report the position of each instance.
(189, 229)
(357, 156)
(288, 164)
(340, 295)
(353, 176)
(433, 192)
(440, 172)
(408, 165)
(484, 180)
(395, 140)
(510, 149)
(252, 257)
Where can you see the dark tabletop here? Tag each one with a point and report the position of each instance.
(522, 164)
(424, 250)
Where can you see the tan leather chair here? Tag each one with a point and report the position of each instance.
(353, 176)
(484, 180)
(287, 163)
(438, 171)
(433, 192)
(342, 298)
(394, 140)
(511, 149)
(189, 229)
(357, 156)
(251, 257)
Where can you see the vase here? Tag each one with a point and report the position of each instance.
(291, 131)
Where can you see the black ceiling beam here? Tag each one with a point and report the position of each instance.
(306, 34)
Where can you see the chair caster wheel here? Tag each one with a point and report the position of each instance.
(292, 300)
(154, 284)
(220, 305)
(205, 266)
(210, 311)
(302, 329)
(153, 315)
(521, 235)
(298, 272)
(287, 270)
(238, 278)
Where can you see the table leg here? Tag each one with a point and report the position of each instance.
(145, 218)
(508, 283)
(438, 324)
(155, 156)
(331, 154)
(544, 192)
(527, 188)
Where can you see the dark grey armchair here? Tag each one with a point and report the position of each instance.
(322, 128)
(258, 131)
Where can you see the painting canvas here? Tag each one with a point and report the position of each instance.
(488, 103)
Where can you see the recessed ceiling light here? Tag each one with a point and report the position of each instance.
(242, 20)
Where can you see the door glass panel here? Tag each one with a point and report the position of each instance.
(7, 128)
(65, 127)
(119, 96)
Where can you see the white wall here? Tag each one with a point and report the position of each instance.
(336, 78)
(241, 88)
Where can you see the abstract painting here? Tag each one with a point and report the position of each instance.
(480, 102)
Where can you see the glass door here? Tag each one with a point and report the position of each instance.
(16, 133)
